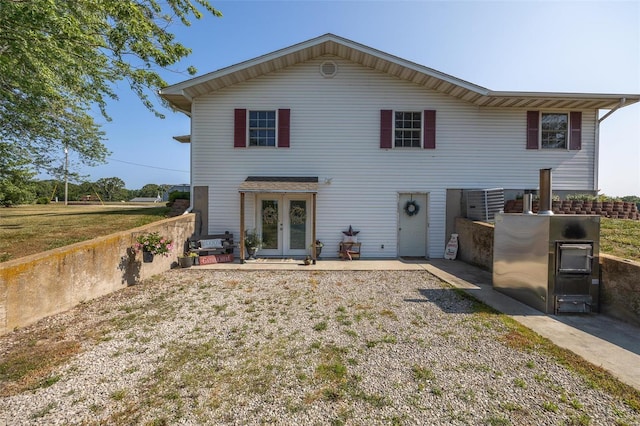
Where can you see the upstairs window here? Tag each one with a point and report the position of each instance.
(554, 131)
(408, 127)
(547, 130)
(262, 128)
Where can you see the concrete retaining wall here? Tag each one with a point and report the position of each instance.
(620, 290)
(475, 243)
(43, 284)
(620, 284)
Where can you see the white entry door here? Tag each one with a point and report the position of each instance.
(412, 224)
(284, 221)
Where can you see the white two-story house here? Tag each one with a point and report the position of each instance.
(301, 143)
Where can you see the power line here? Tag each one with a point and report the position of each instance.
(151, 167)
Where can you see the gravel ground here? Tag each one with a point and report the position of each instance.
(296, 348)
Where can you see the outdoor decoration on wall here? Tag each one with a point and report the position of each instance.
(350, 235)
(411, 208)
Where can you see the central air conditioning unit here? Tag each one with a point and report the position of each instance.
(484, 204)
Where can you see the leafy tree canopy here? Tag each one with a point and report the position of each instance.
(15, 178)
(61, 58)
(150, 190)
(111, 188)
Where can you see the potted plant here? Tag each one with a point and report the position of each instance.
(151, 244)
(318, 244)
(187, 260)
(252, 242)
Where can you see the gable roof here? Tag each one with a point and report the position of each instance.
(180, 95)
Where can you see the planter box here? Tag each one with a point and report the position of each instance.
(216, 258)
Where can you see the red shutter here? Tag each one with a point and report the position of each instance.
(240, 128)
(575, 136)
(386, 128)
(533, 125)
(283, 127)
(429, 129)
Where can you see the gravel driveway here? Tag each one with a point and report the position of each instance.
(295, 348)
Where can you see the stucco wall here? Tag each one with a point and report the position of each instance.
(619, 287)
(43, 284)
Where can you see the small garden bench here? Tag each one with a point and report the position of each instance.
(212, 244)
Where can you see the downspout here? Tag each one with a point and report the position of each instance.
(596, 159)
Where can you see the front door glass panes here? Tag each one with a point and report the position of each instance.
(269, 224)
(297, 224)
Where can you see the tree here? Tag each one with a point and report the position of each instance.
(110, 188)
(61, 58)
(150, 190)
(15, 178)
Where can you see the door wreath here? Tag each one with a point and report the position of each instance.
(411, 208)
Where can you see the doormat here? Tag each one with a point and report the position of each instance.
(272, 260)
(413, 258)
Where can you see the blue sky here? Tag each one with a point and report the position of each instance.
(570, 46)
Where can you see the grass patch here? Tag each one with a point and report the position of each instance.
(119, 395)
(422, 373)
(44, 410)
(21, 234)
(321, 326)
(335, 371)
(522, 338)
(620, 238)
(520, 383)
(28, 366)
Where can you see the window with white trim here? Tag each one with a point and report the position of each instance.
(262, 128)
(407, 129)
(554, 130)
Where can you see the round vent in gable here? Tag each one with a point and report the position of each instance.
(328, 69)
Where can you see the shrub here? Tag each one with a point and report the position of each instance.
(582, 197)
(43, 200)
(179, 195)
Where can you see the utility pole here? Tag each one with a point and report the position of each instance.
(66, 175)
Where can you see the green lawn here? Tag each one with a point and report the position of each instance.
(620, 238)
(31, 229)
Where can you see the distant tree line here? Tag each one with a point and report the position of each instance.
(111, 189)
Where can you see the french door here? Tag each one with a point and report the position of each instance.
(284, 221)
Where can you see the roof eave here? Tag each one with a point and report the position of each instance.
(181, 95)
(555, 100)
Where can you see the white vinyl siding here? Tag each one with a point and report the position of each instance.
(334, 134)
